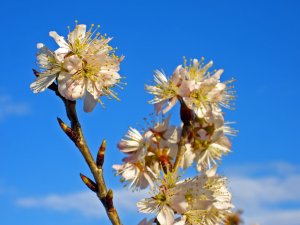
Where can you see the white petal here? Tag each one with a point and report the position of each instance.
(77, 33)
(186, 87)
(42, 83)
(188, 157)
(69, 88)
(176, 77)
(166, 216)
(207, 66)
(72, 64)
(170, 105)
(212, 171)
(89, 102)
(147, 205)
(160, 78)
(61, 53)
(40, 45)
(60, 40)
(179, 203)
(158, 106)
(218, 74)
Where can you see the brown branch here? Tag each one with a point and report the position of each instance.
(75, 133)
(187, 116)
(182, 148)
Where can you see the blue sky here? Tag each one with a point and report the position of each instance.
(256, 42)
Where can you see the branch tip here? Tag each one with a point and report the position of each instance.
(100, 156)
(68, 131)
(89, 183)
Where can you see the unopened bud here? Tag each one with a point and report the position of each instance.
(100, 156)
(89, 183)
(71, 133)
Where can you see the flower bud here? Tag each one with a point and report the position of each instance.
(71, 133)
(89, 183)
(100, 156)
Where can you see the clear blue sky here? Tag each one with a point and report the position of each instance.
(256, 42)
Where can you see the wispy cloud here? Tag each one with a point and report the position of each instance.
(85, 203)
(11, 108)
(267, 193)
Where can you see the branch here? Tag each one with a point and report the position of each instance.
(187, 116)
(182, 148)
(76, 135)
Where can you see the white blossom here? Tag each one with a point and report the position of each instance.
(203, 199)
(84, 65)
(200, 90)
(150, 150)
(166, 91)
(137, 175)
(208, 143)
(50, 66)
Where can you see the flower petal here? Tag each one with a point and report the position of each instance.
(42, 83)
(77, 33)
(166, 216)
(89, 102)
(60, 40)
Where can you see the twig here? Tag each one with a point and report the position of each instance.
(76, 135)
(187, 116)
(181, 149)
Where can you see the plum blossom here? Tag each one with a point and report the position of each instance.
(84, 65)
(208, 143)
(50, 66)
(201, 90)
(166, 91)
(203, 199)
(147, 152)
(137, 175)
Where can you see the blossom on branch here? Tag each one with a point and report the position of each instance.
(147, 152)
(84, 65)
(203, 199)
(201, 90)
(208, 142)
(50, 66)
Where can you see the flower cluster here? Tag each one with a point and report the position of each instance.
(202, 93)
(147, 152)
(203, 199)
(207, 143)
(84, 65)
(201, 90)
(202, 139)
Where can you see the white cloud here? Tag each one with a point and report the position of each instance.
(9, 107)
(263, 192)
(85, 203)
(279, 217)
(265, 199)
